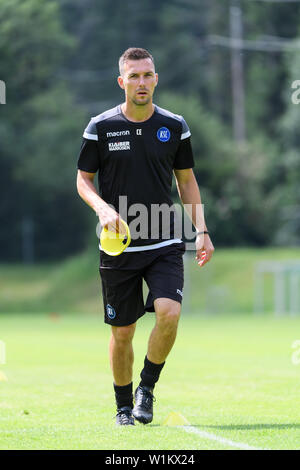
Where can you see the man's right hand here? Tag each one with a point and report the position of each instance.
(109, 218)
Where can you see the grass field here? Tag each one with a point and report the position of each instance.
(231, 376)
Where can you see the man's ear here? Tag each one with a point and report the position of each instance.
(156, 76)
(121, 82)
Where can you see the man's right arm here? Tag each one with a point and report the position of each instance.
(88, 192)
(89, 162)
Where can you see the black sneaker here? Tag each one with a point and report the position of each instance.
(143, 408)
(124, 416)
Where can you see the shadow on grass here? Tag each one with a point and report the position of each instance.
(249, 427)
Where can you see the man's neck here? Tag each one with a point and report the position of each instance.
(137, 113)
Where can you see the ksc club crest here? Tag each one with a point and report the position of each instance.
(163, 134)
(111, 313)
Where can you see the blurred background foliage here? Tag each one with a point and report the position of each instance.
(59, 60)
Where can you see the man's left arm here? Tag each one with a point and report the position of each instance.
(189, 194)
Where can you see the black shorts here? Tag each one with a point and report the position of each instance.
(122, 281)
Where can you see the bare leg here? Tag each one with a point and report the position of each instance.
(164, 332)
(121, 353)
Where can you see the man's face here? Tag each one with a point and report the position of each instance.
(139, 81)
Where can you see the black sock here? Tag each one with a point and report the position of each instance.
(150, 374)
(124, 396)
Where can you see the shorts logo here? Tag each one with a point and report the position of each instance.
(163, 134)
(111, 313)
(179, 292)
(113, 146)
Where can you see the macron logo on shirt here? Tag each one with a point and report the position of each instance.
(117, 133)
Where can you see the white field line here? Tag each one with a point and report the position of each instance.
(221, 440)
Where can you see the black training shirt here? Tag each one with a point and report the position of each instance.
(135, 160)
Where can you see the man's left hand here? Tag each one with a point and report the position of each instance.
(204, 249)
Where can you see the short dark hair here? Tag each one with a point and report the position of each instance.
(133, 53)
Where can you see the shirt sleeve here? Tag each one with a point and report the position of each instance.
(90, 132)
(89, 157)
(185, 133)
(184, 157)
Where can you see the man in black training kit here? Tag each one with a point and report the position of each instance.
(136, 147)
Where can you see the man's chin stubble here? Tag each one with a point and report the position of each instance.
(138, 103)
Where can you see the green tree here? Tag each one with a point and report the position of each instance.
(40, 132)
(289, 165)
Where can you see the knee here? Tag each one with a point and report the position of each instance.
(123, 335)
(168, 314)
